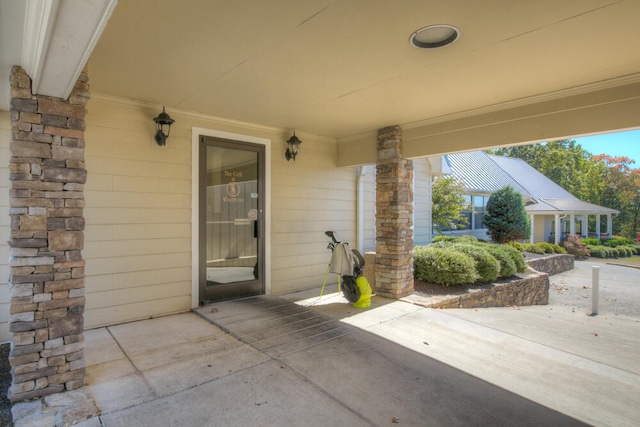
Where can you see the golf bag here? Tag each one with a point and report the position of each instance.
(348, 263)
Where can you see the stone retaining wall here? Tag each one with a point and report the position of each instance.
(552, 264)
(530, 290)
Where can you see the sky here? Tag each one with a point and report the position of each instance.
(614, 144)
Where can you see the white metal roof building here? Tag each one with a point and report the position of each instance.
(553, 210)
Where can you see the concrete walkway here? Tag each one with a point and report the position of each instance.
(395, 363)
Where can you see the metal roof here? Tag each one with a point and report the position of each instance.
(480, 174)
(484, 173)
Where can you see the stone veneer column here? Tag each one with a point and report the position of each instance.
(394, 216)
(46, 284)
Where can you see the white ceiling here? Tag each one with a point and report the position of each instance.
(342, 68)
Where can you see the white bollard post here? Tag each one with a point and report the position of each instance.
(595, 289)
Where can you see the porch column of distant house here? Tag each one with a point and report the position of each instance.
(572, 225)
(558, 229)
(609, 226)
(533, 231)
(584, 231)
(598, 226)
(46, 282)
(394, 216)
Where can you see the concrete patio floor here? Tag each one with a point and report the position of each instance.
(394, 363)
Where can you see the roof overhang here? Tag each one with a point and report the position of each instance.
(52, 40)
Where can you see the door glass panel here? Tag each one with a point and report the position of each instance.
(232, 211)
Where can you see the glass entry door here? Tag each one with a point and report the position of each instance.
(231, 219)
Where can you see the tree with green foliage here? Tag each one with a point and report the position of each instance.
(506, 218)
(448, 203)
(564, 162)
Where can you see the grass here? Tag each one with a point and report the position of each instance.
(633, 261)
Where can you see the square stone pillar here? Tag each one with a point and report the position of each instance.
(46, 283)
(394, 216)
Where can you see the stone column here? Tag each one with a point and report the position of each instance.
(46, 284)
(394, 216)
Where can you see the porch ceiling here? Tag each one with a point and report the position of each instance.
(344, 68)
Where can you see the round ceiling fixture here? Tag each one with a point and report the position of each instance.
(434, 36)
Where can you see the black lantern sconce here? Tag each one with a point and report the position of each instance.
(294, 146)
(163, 126)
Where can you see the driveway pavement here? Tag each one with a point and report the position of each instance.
(395, 363)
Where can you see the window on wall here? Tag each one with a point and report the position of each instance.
(474, 218)
(479, 204)
(466, 225)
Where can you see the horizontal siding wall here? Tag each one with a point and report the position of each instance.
(5, 136)
(538, 227)
(138, 213)
(421, 201)
(309, 197)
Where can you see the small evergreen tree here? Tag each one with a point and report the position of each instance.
(506, 218)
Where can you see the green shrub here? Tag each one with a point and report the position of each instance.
(533, 248)
(507, 265)
(442, 238)
(467, 238)
(517, 257)
(618, 241)
(455, 239)
(598, 251)
(546, 247)
(558, 249)
(591, 241)
(551, 248)
(635, 249)
(519, 246)
(443, 266)
(487, 266)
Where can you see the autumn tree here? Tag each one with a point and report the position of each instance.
(448, 203)
(621, 192)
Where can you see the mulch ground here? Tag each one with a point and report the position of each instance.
(5, 382)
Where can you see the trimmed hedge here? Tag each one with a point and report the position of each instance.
(539, 248)
(443, 266)
(516, 256)
(507, 265)
(533, 248)
(487, 266)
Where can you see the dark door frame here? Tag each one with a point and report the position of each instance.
(197, 133)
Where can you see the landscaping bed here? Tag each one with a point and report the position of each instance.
(521, 289)
(531, 288)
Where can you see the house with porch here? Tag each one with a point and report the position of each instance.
(115, 212)
(554, 212)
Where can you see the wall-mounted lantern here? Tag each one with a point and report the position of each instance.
(163, 127)
(293, 147)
